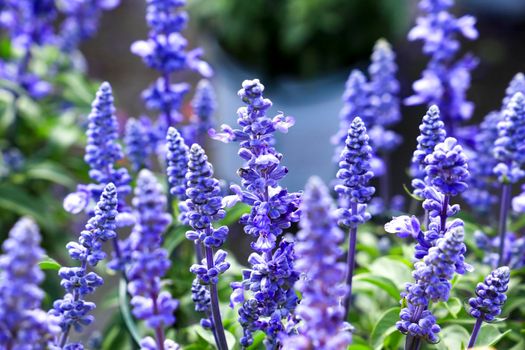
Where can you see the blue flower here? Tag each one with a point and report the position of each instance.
(508, 148)
(490, 295)
(322, 274)
(447, 167)
(137, 140)
(446, 79)
(73, 309)
(204, 105)
(22, 321)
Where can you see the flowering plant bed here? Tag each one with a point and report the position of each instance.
(158, 261)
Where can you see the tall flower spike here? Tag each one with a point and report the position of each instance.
(204, 205)
(273, 210)
(355, 99)
(354, 190)
(166, 51)
(446, 79)
(73, 310)
(508, 151)
(432, 277)
(321, 283)
(432, 132)
(204, 105)
(137, 143)
(102, 154)
(177, 165)
(22, 321)
(149, 261)
(490, 297)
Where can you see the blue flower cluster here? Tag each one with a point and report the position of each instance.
(322, 276)
(490, 295)
(273, 210)
(102, 153)
(204, 207)
(432, 132)
(432, 277)
(511, 141)
(447, 168)
(138, 142)
(165, 51)
(22, 321)
(78, 282)
(149, 262)
(355, 174)
(446, 79)
(204, 105)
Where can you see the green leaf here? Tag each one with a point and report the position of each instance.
(454, 306)
(384, 283)
(175, 237)
(490, 335)
(48, 263)
(258, 338)
(453, 337)
(207, 335)
(126, 313)
(385, 326)
(393, 269)
(50, 171)
(234, 214)
(16, 199)
(359, 347)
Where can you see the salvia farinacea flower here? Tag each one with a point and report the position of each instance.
(322, 276)
(490, 297)
(447, 167)
(204, 105)
(78, 282)
(445, 80)
(273, 210)
(432, 132)
(137, 140)
(166, 51)
(204, 205)
(149, 262)
(508, 148)
(22, 321)
(432, 277)
(177, 156)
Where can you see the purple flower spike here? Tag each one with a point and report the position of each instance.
(447, 167)
(22, 322)
(321, 283)
(73, 310)
(446, 79)
(149, 262)
(490, 297)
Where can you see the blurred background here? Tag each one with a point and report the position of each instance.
(303, 51)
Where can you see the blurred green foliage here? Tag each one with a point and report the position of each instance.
(300, 37)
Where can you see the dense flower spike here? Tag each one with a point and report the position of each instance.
(432, 277)
(204, 105)
(513, 249)
(204, 205)
(322, 283)
(137, 143)
(102, 154)
(490, 297)
(356, 103)
(73, 309)
(446, 79)
(432, 132)
(165, 51)
(273, 210)
(149, 261)
(22, 322)
(511, 141)
(355, 174)
(447, 168)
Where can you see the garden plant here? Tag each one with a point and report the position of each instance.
(149, 236)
